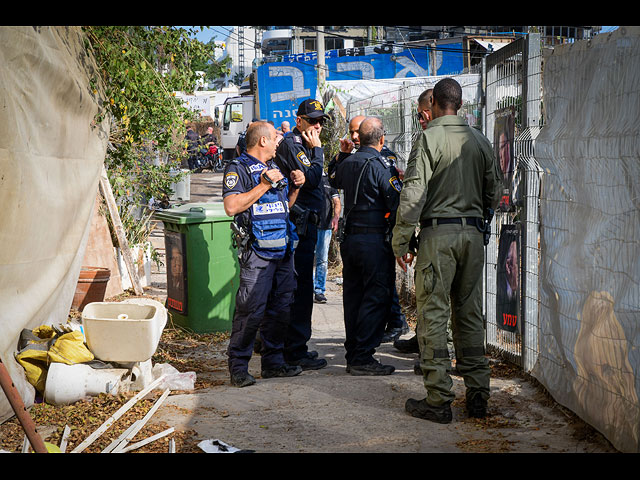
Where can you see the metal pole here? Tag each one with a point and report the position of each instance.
(21, 412)
(321, 65)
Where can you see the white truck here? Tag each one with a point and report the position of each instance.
(238, 112)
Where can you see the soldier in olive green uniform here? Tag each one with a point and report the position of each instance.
(451, 186)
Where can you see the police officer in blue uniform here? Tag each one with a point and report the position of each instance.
(301, 149)
(372, 191)
(259, 198)
(396, 324)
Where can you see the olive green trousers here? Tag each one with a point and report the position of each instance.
(449, 288)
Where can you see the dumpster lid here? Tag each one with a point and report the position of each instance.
(193, 213)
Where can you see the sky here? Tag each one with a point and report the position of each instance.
(219, 33)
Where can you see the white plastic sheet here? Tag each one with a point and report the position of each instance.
(50, 160)
(589, 151)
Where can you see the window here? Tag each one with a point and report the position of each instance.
(232, 113)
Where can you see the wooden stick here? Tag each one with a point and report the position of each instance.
(122, 436)
(107, 193)
(91, 438)
(148, 440)
(65, 438)
(123, 443)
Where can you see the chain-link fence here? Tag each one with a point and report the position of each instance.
(511, 119)
(512, 78)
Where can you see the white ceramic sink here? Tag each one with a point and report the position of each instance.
(112, 337)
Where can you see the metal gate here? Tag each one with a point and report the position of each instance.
(513, 118)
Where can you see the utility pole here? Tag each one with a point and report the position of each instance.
(241, 52)
(320, 50)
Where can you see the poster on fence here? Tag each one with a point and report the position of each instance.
(503, 135)
(508, 277)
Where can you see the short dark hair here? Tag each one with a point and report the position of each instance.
(447, 93)
(370, 131)
(255, 131)
(425, 96)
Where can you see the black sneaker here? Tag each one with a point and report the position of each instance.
(373, 368)
(407, 346)
(392, 334)
(242, 379)
(319, 298)
(309, 362)
(282, 371)
(476, 407)
(421, 409)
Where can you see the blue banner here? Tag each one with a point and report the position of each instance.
(283, 85)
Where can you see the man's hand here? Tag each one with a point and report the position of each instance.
(297, 178)
(334, 224)
(274, 174)
(405, 261)
(312, 137)
(346, 145)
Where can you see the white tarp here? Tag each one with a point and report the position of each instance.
(50, 161)
(589, 150)
(363, 94)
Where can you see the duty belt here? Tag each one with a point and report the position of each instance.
(355, 230)
(430, 222)
(313, 217)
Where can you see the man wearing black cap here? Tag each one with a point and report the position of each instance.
(301, 149)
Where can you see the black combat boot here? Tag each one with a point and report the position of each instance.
(421, 409)
(407, 346)
(476, 406)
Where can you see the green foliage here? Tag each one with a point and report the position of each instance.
(139, 70)
(214, 70)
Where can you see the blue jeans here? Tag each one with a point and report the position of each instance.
(322, 255)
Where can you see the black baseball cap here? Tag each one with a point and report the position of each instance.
(311, 108)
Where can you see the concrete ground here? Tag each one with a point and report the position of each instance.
(330, 411)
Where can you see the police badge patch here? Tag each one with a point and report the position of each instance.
(395, 183)
(302, 158)
(230, 180)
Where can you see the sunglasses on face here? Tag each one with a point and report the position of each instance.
(313, 121)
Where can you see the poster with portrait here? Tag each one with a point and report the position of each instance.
(508, 278)
(503, 136)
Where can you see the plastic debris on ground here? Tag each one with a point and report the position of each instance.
(218, 446)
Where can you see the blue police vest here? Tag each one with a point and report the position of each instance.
(273, 234)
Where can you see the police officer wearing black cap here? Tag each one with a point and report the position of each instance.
(372, 192)
(301, 149)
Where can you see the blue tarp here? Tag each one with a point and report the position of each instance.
(282, 85)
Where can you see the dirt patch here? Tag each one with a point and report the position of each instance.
(323, 411)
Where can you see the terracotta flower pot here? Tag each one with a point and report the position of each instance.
(92, 285)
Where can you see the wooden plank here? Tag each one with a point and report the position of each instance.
(65, 439)
(141, 423)
(107, 193)
(148, 440)
(121, 411)
(112, 446)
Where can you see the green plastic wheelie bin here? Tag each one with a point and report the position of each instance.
(202, 266)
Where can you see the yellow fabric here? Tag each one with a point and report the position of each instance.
(35, 357)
